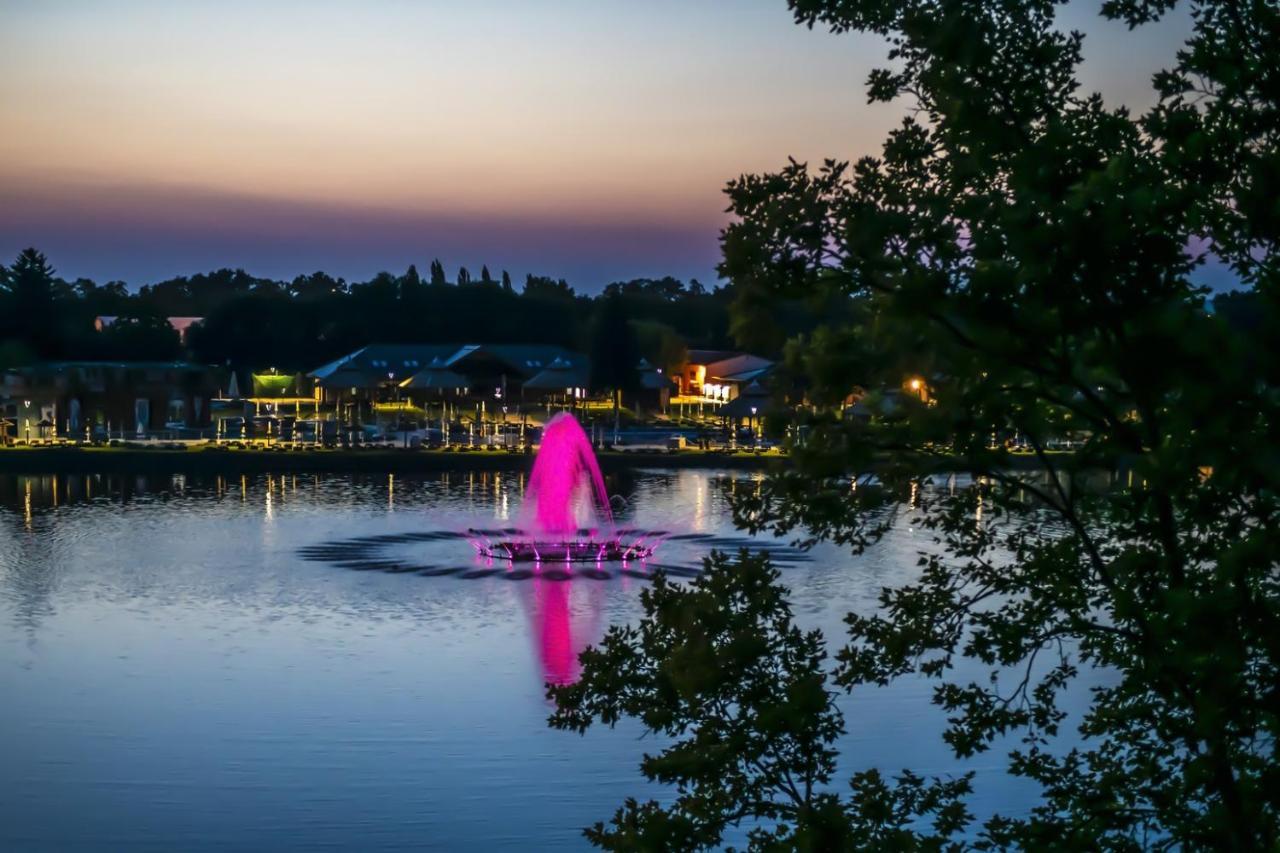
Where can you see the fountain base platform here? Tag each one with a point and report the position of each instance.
(573, 551)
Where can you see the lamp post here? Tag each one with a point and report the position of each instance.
(755, 436)
(497, 396)
(26, 404)
(391, 377)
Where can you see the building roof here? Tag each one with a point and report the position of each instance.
(377, 360)
(525, 360)
(730, 366)
(710, 356)
(350, 379)
(560, 374)
(371, 365)
(435, 375)
(753, 396)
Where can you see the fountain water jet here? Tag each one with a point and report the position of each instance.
(564, 472)
(565, 465)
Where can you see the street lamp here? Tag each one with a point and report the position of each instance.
(497, 396)
(755, 436)
(26, 404)
(391, 377)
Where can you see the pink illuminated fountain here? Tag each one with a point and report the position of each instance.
(565, 468)
(566, 514)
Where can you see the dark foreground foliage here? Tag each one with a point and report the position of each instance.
(1028, 253)
(720, 669)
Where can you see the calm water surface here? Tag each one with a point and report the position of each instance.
(175, 676)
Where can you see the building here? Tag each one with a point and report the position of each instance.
(508, 372)
(66, 398)
(718, 376)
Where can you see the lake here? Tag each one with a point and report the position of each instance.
(184, 667)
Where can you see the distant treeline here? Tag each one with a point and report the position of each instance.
(299, 324)
(296, 325)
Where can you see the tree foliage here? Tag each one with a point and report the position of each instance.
(720, 670)
(1029, 253)
(614, 349)
(253, 322)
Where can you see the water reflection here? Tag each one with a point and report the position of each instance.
(561, 628)
(182, 675)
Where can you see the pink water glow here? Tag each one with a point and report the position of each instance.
(565, 465)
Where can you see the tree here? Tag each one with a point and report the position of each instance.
(506, 282)
(139, 338)
(437, 274)
(318, 285)
(720, 669)
(1030, 244)
(615, 352)
(541, 286)
(661, 346)
(410, 283)
(464, 277)
(315, 318)
(32, 310)
(485, 278)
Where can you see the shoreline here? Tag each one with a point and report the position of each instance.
(205, 460)
(113, 460)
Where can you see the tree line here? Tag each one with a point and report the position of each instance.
(252, 321)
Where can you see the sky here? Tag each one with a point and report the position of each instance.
(584, 139)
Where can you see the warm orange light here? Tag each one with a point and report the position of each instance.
(915, 384)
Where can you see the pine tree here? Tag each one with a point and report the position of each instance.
(33, 302)
(410, 282)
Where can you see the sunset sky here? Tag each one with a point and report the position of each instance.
(590, 140)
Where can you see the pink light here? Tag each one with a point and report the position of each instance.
(565, 463)
(556, 644)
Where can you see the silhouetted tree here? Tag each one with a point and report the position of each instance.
(1031, 244)
(32, 306)
(660, 345)
(543, 287)
(410, 283)
(742, 701)
(315, 318)
(464, 277)
(614, 351)
(318, 285)
(438, 278)
(139, 338)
